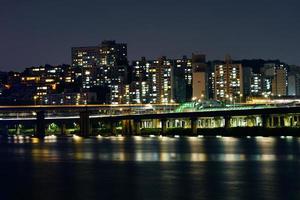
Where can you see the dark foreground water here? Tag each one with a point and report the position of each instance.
(150, 168)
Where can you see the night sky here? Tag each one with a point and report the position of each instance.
(36, 32)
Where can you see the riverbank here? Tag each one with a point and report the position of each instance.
(230, 132)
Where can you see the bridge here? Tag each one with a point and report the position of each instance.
(131, 119)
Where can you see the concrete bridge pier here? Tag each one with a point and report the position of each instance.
(227, 121)
(126, 127)
(264, 121)
(163, 126)
(113, 127)
(194, 123)
(63, 128)
(18, 128)
(137, 126)
(40, 124)
(84, 124)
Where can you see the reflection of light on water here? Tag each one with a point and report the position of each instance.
(229, 139)
(198, 157)
(120, 156)
(160, 149)
(18, 139)
(177, 136)
(164, 138)
(45, 155)
(200, 136)
(266, 147)
(118, 138)
(265, 140)
(84, 156)
(35, 140)
(138, 138)
(230, 144)
(152, 136)
(196, 144)
(50, 138)
(77, 138)
(264, 157)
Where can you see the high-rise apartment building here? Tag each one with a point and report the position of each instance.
(294, 81)
(274, 79)
(161, 81)
(200, 78)
(179, 83)
(256, 84)
(140, 86)
(86, 60)
(228, 81)
(105, 66)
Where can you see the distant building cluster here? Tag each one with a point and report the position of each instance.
(103, 74)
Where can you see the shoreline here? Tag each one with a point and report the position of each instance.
(173, 132)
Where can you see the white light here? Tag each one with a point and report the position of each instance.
(99, 136)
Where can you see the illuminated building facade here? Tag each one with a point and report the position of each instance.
(69, 98)
(274, 79)
(256, 84)
(104, 67)
(200, 77)
(114, 70)
(279, 82)
(228, 81)
(44, 79)
(294, 81)
(162, 80)
(179, 83)
(140, 86)
(151, 81)
(86, 59)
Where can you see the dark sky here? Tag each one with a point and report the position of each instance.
(36, 32)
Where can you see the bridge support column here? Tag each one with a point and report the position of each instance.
(272, 121)
(126, 127)
(40, 124)
(63, 128)
(18, 129)
(163, 126)
(264, 121)
(155, 123)
(84, 124)
(194, 123)
(227, 121)
(113, 127)
(137, 126)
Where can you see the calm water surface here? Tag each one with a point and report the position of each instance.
(150, 168)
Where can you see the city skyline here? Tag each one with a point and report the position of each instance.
(151, 29)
